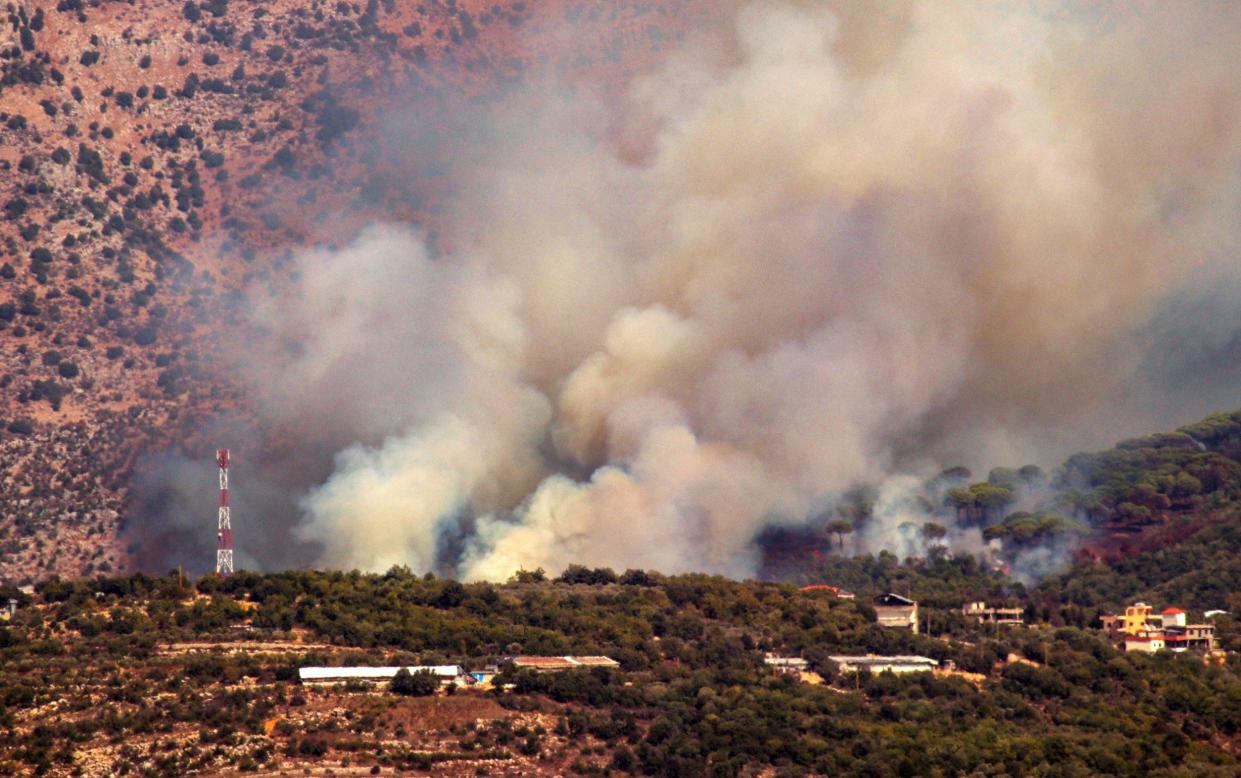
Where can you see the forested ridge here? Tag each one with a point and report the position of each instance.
(1098, 514)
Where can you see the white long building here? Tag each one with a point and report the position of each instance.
(326, 675)
(890, 664)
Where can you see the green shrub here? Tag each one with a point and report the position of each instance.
(420, 684)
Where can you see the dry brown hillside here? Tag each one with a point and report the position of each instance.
(156, 158)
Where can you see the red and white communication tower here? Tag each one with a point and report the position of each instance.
(224, 539)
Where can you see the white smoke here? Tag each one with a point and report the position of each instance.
(778, 267)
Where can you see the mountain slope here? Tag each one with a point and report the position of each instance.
(157, 160)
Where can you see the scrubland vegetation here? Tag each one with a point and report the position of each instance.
(152, 676)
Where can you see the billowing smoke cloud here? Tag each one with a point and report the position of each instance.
(815, 248)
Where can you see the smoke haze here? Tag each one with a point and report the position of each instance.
(820, 245)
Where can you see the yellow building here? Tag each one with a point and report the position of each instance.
(1144, 630)
(1135, 619)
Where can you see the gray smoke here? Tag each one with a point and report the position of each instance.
(818, 246)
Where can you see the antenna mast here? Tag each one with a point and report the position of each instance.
(224, 538)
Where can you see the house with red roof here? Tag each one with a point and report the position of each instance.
(1140, 630)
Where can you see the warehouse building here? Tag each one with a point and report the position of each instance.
(336, 675)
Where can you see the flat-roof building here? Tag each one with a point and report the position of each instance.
(984, 615)
(1140, 629)
(885, 664)
(1145, 642)
(330, 675)
(788, 665)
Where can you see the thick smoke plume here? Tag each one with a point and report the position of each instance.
(818, 246)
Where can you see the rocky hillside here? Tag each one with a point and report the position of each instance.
(156, 159)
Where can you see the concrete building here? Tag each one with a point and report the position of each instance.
(984, 615)
(885, 664)
(1187, 636)
(1145, 642)
(894, 610)
(788, 665)
(1136, 619)
(337, 675)
(1141, 630)
(1172, 617)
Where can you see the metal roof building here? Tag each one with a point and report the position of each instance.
(372, 674)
